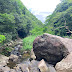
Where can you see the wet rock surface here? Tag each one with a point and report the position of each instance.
(17, 48)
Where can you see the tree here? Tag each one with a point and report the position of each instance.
(61, 15)
(15, 18)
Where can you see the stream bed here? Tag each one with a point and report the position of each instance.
(23, 60)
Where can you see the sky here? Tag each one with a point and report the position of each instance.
(41, 8)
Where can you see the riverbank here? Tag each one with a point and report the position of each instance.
(50, 53)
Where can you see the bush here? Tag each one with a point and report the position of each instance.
(2, 38)
(6, 51)
(37, 31)
(28, 42)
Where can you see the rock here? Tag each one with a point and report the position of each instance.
(13, 58)
(1, 70)
(42, 66)
(25, 52)
(21, 43)
(4, 69)
(17, 50)
(12, 70)
(21, 68)
(33, 66)
(18, 42)
(9, 44)
(32, 55)
(51, 68)
(65, 65)
(30, 67)
(3, 60)
(51, 48)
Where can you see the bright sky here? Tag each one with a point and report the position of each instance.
(41, 8)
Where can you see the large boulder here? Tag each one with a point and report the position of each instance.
(65, 65)
(51, 48)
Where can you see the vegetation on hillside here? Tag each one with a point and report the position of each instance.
(16, 20)
(60, 21)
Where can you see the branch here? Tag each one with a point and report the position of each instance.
(59, 27)
(67, 28)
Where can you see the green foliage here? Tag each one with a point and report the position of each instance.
(37, 31)
(16, 20)
(2, 38)
(62, 13)
(28, 42)
(6, 51)
(68, 37)
(6, 22)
